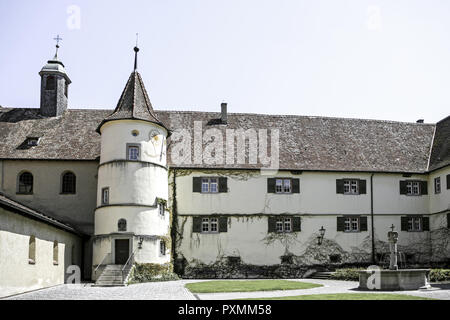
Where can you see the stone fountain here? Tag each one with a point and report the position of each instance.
(374, 278)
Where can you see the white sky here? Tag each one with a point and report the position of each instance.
(365, 59)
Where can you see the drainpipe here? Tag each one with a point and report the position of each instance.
(174, 227)
(371, 218)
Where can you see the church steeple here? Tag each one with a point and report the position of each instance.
(134, 103)
(54, 86)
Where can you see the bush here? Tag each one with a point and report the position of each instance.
(439, 275)
(149, 272)
(348, 274)
(351, 274)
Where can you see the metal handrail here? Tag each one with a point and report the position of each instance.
(98, 266)
(126, 263)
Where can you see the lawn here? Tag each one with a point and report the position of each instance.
(248, 286)
(348, 296)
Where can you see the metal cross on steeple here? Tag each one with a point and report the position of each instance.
(57, 39)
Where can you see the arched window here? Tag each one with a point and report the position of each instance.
(68, 183)
(162, 247)
(55, 253)
(25, 183)
(51, 83)
(122, 225)
(32, 250)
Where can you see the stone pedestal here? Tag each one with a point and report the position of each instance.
(395, 280)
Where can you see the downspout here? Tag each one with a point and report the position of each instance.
(372, 219)
(173, 231)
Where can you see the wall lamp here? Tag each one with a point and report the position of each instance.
(141, 240)
(320, 236)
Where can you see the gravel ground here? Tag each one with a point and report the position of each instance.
(175, 290)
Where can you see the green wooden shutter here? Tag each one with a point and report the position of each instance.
(223, 184)
(448, 181)
(296, 224)
(404, 224)
(340, 186)
(362, 187)
(197, 184)
(196, 224)
(403, 189)
(448, 220)
(363, 224)
(426, 224)
(272, 224)
(295, 185)
(423, 187)
(223, 224)
(271, 185)
(340, 224)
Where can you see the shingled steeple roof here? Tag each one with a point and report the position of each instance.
(134, 103)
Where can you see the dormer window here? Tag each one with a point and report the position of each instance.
(32, 141)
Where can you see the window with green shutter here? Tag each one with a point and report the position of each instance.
(351, 186)
(413, 187)
(351, 224)
(415, 223)
(284, 224)
(283, 185)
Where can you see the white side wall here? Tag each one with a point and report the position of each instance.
(16, 274)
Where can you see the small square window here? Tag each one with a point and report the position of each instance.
(283, 186)
(283, 225)
(210, 225)
(351, 187)
(351, 224)
(133, 153)
(210, 185)
(414, 224)
(413, 188)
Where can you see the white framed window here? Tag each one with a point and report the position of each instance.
(283, 186)
(133, 153)
(205, 225)
(105, 195)
(283, 224)
(210, 185)
(414, 224)
(351, 224)
(351, 187)
(210, 225)
(413, 188)
(437, 185)
(214, 224)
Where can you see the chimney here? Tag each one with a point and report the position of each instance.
(420, 121)
(223, 115)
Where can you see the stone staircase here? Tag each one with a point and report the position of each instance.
(321, 275)
(112, 276)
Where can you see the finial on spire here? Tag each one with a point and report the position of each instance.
(136, 50)
(57, 45)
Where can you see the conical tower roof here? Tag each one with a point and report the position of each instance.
(134, 103)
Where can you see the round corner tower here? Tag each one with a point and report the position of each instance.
(132, 223)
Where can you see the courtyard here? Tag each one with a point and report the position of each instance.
(176, 290)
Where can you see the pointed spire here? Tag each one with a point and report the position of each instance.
(134, 102)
